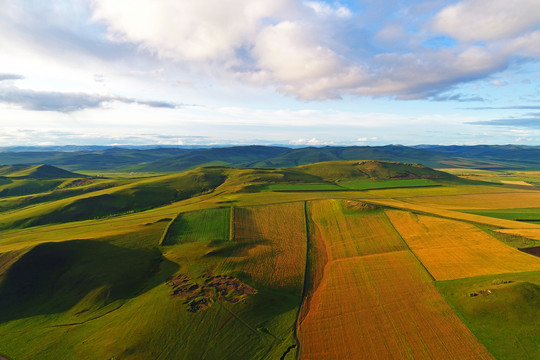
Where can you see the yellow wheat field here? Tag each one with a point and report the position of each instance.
(383, 306)
(349, 235)
(521, 199)
(454, 214)
(273, 244)
(452, 249)
(528, 233)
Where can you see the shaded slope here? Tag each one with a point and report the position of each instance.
(137, 196)
(229, 156)
(37, 172)
(55, 277)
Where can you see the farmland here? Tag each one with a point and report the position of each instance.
(225, 263)
(453, 250)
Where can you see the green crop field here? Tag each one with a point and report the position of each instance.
(531, 215)
(250, 263)
(361, 185)
(199, 226)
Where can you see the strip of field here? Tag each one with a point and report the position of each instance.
(199, 226)
(452, 249)
(302, 187)
(352, 233)
(521, 214)
(507, 200)
(370, 184)
(383, 306)
(453, 214)
(270, 245)
(533, 234)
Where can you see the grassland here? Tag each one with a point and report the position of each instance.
(504, 313)
(199, 226)
(86, 266)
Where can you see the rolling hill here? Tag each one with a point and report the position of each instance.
(300, 262)
(170, 159)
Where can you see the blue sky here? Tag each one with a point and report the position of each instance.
(260, 71)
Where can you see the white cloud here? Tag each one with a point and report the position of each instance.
(324, 9)
(290, 55)
(310, 142)
(187, 30)
(499, 83)
(481, 20)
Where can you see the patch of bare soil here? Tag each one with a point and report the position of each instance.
(532, 250)
(484, 292)
(199, 296)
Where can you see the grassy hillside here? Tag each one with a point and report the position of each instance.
(135, 196)
(36, 172)
(313, 261)
(345, 171)
(241, 156)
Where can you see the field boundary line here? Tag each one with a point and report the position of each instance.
(166, 231)
(306, 278)
(408, 247)
(243, 322)
(231, 223)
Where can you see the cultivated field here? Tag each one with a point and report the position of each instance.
(354, 233)
(451, 249)
(270, 245)
(209, 264)
(382, 306)
(370, 298)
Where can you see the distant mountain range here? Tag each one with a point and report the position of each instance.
(174, 159)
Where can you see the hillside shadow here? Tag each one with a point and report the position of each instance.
(55, 277)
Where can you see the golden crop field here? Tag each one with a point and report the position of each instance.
(273, 244)
(354, 234)
(508, 200)
(430, 209)
(452, 249)
(383, 306)
(527, 233)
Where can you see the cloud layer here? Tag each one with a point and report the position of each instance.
(304, 49)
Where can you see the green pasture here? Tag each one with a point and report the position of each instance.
(505, 319)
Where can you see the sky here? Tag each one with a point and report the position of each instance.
(216, 72)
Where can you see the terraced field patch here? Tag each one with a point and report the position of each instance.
(453, 249)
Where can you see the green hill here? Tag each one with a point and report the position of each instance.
(36, 172)
(238, 156)
(371, 170)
